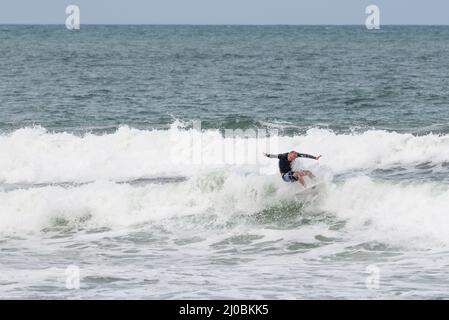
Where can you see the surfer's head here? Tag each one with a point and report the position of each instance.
(292, 155)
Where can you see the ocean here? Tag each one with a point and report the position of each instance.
(131, 162)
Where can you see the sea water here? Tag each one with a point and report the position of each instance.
(104, 192)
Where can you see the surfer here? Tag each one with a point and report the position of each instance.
(285, 166)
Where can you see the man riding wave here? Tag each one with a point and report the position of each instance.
(285, 166)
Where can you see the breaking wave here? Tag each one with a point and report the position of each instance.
(61, 179)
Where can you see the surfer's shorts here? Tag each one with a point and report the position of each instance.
(289, 177)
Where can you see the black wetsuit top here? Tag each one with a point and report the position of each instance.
(285, 165)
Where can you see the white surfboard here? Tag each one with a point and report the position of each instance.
(311, 190)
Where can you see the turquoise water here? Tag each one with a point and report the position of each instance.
(98, 169)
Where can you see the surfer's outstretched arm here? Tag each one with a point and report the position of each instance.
(309, 156)
(274, 156)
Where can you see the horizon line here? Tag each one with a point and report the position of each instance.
(212, 24)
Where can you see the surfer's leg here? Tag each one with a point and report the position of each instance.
(309, 174)
(300, 177)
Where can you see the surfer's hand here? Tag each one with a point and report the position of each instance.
(265, 154)
(318, 158)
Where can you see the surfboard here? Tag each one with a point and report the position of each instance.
(312, 190)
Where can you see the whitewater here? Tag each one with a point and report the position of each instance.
(110, 189)
(138, 212)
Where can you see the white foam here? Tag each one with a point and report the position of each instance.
(403, 214)
(398, 213)
(33, 155)
(108, 204)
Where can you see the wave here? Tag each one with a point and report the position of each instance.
(399, 214)
(35, 155)
(108, 204)
(133, 177)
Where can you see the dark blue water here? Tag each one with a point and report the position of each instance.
(228, 76)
